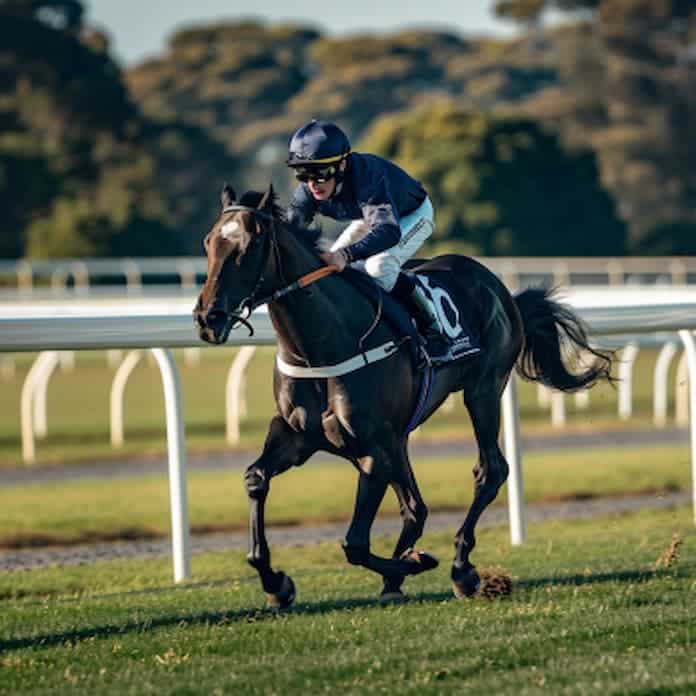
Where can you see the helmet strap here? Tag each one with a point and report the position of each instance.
(339, 176)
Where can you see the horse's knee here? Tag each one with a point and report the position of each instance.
(256, 482)
(491, 472)
(356, 554)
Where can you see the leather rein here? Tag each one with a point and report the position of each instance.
(243, 311)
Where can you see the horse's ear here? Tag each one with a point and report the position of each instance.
(268, 199)
(228, 196)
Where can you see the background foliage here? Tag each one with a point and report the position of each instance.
(573, 139)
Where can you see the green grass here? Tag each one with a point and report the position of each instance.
(78, 408)
(587, 615)
(82, 510)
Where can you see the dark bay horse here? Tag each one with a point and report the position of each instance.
(255, 256)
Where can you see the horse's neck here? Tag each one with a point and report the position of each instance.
(320, 322)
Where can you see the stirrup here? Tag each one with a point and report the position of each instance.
(444, 354)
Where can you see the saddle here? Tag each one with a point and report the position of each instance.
(403, 325)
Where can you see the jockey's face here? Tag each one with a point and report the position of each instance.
(322, 187)
(322, 191)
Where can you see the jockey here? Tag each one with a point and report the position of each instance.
(391, 217)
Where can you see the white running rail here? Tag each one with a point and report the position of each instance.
(165, 324)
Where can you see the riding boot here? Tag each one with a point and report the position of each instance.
(409, 293)
(438, 344)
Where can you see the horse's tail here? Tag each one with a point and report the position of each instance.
(553, 335)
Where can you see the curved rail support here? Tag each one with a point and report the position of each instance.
(80, 274)
(181, 550)
(25, 278)
(59, 281)
(681, 392)
(134, 279)
(233, 392)
(26, 407)
(118, 388)
(687, 338)
(625, 388)
(664, 359)
(558, 409)
(513, 454)
(40, 393)
(582, 400)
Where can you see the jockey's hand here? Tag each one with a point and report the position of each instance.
(334, 258)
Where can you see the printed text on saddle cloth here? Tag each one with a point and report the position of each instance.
(446, 310)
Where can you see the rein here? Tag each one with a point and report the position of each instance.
(251, 302)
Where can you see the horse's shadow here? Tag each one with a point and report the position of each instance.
(255, 615)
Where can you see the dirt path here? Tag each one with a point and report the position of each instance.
(80, 555)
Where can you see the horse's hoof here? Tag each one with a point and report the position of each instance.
(465, 582)
(285, 595)
(420, 560)
(392, 597)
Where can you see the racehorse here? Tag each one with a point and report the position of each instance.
(255, 256)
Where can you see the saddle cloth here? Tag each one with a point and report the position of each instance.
(403, 325)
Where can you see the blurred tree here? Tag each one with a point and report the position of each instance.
(629, 77)
(503, 186)
(81, 171)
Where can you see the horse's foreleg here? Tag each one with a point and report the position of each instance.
(371, 489)
(283, 449)
(413, 515)
(490, 473)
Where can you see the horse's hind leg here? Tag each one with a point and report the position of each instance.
(490, 473)
(413, 515)
(283, 449)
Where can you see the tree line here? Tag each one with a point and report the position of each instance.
(567, 140)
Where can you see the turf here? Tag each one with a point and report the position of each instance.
(588, 614)
(85, 510)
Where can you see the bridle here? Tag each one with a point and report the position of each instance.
(241, 314)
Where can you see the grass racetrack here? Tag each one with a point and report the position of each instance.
(589, 613)
(591, 610)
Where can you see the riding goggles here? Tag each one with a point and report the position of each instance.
(320, 175)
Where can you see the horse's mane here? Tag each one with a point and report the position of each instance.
(307, 236)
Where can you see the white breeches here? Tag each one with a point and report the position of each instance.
(385, 266)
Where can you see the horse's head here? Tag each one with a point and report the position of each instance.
(238, 249)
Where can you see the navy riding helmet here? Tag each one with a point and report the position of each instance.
(317, 144)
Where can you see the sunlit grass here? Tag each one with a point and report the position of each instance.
(588, 614)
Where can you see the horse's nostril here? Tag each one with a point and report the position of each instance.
(216, 318)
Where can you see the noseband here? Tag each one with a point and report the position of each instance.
(244, 309)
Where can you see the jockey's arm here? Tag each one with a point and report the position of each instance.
(384, 233)
(380, 216)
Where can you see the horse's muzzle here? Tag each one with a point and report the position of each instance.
(213, 326)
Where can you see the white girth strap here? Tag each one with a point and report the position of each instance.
(343, 368)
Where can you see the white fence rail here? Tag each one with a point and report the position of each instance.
(161, 325)
(81, 274)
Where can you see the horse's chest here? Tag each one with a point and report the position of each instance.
(308, 405)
